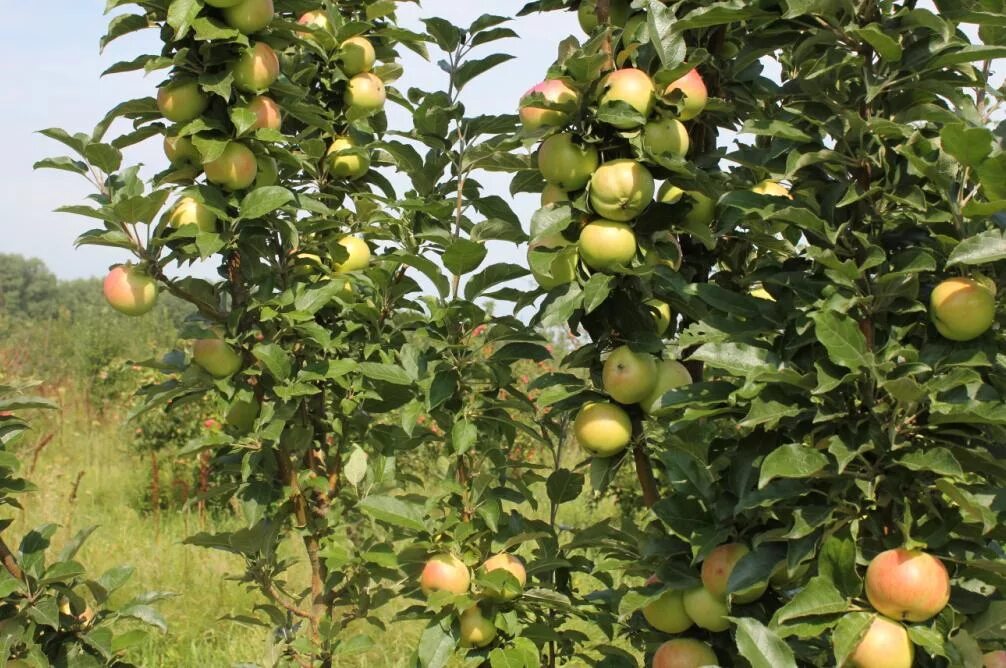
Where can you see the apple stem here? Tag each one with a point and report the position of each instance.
(644, 467)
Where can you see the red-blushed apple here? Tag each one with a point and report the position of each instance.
(562, 267)
(359, 255)
(566, 164)
(445, 572)
(476, 630)
(629, 376)
(693, 92)
(602, 428)
(996, 659)
(662, 315)
(318, 19)
(249, 16)
(621, 189)
(666, 137)
(357, 55)
(181, 152)
(256, 68)
(512, 565)
(553, 194)
(216, 357)
(181, 101)
(885, 645)
(268, 115)
(365, 92)
(586, 14)
(907, 585)
(706, 610)
(771, 188)
(563, 101)
(667, 613)
(344, 162)
(631, 86)
(190, 211)
(129, 290)
(670, 374)
(606, 244)
(716, 570)
(685, 653)
(235, 169)
(962, 309)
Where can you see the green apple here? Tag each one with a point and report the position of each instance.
(962, 309)
(662, 315)
(256, 69)
(684, 653)
(884, 645)
(181, 152)
(562, 267)
(190, 211)
(359, 255)
(445, 572)
(235, 169)
(216, 357)
(365, 92)
(344, 162)
(476, 630)
(249, 16)
(667, 613)
(694, 95)
(631, 86)
(606, 244)
(602, 428)
(706, 610)
(669, 193)
(129, 290)
(181, 101)
(666, 137)
(670, 374)
(566, 164)
(242, 414)
(357, 55)
(586, 14)
(563, 101)
(621, 189)
(268, 171)
(628, 377)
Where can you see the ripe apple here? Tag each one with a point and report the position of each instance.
(190, 211)
(716, 570)
(129, 290)
(476, 630)
(631, 86)
(256, 69)
(566, 164)
(618, 12)
(357, 56)
(621, 189)
(667, 613)
(512, 565)
(242, 414)
(268, 115)
(666, 136)
(662, 315)
(562, 268)
(235, 169)
(216, 357)
(962, 308)
(885, 645)
(365, 92)
(604, 244)
(693, 88)
(181, 101)
(359, 255)
(685, 653)
(670, 374)
(563, 100)
(772, 188)
(602, 428)
(445, 572)
(344, 163)
(553, 194)
(996, 659)
(629, 376)
(181, 152)
(706, 610)
(249, 16)
(907, 585)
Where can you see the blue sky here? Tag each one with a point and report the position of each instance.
(53, 81)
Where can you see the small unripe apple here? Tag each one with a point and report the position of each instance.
(181, 101)
(190, 211)
(249, 16)
(996, 659)
(631, 86)
(885, 645)
(621, 189)
(586, 14)
(662, 315)
(344, 163)
(562, 269)
(181, 152)
(359, 255)
(216, 357)
(772, 188)
(476, 630)
(235, 169)
(606, 244)
(566, 164)
(667, 613)
(563, 100)
(357, 55)
(445, 572)
(706, 610)
(512, 565)
(695, 95)
(268, 115)
(553, 194)
(670, 374)
(365, 92)
(666, 136)
(129, 290)
(907, 585)
(256, 69)
(602, 428)
(962, 309)
(628, 376)
(685, 653)
(242, 414)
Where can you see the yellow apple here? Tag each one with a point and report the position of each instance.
(706, 610)
(670, 374)
(621, 189)
(667, 613)
(190, 211)
(962, 309)
(631, 86)
(476, 630)
(662, 315)
(606, 244)
(359, 255)
(602, 428)
(885, 645)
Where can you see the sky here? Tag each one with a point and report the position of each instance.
(55, 82)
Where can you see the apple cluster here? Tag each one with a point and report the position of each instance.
(445, 572)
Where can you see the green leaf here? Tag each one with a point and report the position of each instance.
(388, 373)
(842, 338)
(356, 466)
(492, 276)
(818, 597)
(970, 145)
(275, 359)
(564, 486)
(761, 646)
(850, 630)
(737, 358)
(265, 200)
(938, 461)
(596, 291)
(394, 511)
(882, 42)
(463, 436)
(436, 646)
(792, 460)
(473, 68)
(982, 248)
(463, 256)
(990, 624)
